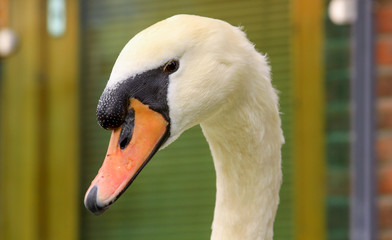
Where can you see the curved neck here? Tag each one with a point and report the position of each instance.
(245, 145)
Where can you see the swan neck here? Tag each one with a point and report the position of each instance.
(247, 161)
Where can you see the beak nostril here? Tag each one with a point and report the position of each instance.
(124, 143)
(127, 129)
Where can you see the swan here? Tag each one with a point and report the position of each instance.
(180, 72)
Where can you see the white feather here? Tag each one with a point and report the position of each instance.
(224, 84)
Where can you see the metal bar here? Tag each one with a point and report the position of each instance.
(363, 179)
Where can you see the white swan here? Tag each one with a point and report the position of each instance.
(189, 70)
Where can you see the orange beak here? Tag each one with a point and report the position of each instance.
(122, 165)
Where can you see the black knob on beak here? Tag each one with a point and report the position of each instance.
(112, 108)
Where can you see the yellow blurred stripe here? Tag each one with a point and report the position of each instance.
(62, 67)
(19, 131)
(39, 148)
(308, 32)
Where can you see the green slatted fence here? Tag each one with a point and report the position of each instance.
(337, 84)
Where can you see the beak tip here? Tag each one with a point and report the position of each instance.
(91, 202)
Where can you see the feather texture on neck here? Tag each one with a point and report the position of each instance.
(245, 140)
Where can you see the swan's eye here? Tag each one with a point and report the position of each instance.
(171, 66)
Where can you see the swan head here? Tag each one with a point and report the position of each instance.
(171, 76)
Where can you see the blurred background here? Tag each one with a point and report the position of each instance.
(331, 62)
